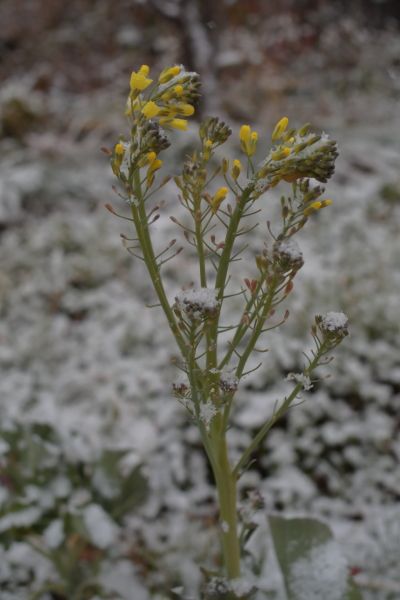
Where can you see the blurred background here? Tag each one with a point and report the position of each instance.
(104, 490)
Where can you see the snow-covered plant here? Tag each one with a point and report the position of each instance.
(214, 356)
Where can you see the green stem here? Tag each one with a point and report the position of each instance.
(228, 243)
(199, 241)
(142, 229)
(242, 327)
(226, 483)
(262, 432)
(220, 280)
(258, 328)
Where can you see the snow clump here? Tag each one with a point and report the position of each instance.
(197, 303)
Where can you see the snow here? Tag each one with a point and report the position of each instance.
(208, 410)
(290, 249)
(321, 574)
(101, 529)
(335, 321)
(197, 303)
(20, 518)
(300, 378)
(54, 534)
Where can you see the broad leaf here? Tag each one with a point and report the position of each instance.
(312, 564)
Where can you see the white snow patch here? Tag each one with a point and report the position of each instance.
(101, 529)
(20, 518)
(54, 534)
(321, 574)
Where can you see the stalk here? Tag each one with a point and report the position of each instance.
(226, 483)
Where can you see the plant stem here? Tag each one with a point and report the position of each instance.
(141, 224)
(258, 328)
(226, 483)
(262, 432)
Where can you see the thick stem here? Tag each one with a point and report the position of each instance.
(226, 484)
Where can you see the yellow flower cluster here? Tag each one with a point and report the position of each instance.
(298, 154)
(170, 101)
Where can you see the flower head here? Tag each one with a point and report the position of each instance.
(298, 155)
(334, 326)
(197, 303)
(288, 256)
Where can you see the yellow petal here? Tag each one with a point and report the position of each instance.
(119, 149)
(151, 157)
(139, 81)
(144, 70)
(181, 124)
(150, 109)
(280, 154)
(236, 169)
(245, 133)
(178, 90)
(186, 109)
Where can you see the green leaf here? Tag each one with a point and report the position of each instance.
(311, 562)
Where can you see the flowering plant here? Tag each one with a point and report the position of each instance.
(214, 368)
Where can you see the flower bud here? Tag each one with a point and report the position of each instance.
(280, 128)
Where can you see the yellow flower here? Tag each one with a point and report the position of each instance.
(118, 157)
(280, 154)
(181, 124)
(207, 149)
(236, 169)
(150, 109)
(185, 109)
(280, 128)
(218, 197)
(244, 134)
(169, 73)
(178, 90)
(139, 80)
(151, 157)
(248, 140)
(314, 206)
(119, 149)
(326, 202)
(154, 165)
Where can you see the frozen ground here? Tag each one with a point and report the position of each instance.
(80, 353)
